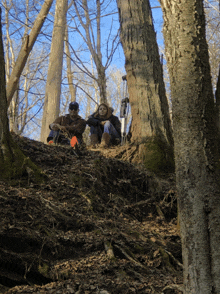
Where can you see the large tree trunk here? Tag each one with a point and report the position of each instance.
(13, 163)
(149, 106)
(195, 140)
(28, 44)
(54, 76)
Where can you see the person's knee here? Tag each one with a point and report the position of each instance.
(52, 134)
(107, 127)
(93, 130)
(108, 124)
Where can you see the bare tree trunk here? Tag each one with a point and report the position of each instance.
(94, 47)
(4, 125)
(13, 107)
(13, 112)
(96, 52)
(54, 77)
(69, 71)
(28, 44)
(195, 137)
(10, 64)
(217, 97)
(98, 59)
(8, 43)
(149, 106)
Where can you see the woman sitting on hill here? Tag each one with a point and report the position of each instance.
(104, 127)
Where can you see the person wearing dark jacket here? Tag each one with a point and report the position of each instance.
(67, 126)
(104, 127)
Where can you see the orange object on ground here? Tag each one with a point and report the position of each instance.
(73, 141)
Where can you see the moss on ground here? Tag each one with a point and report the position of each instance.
(157, 157)
(15, 165)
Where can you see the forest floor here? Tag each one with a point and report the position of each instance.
(99, 224)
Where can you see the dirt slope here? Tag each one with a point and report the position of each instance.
(98, 225)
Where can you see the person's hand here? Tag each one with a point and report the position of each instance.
(102, 123)
(62, 128)
(56, 127)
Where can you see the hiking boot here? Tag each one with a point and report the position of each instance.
(93, 141)
(105, 140)
(116, 141)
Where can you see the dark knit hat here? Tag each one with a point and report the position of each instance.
(73, 106)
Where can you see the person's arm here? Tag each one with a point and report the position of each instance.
(78, 127)
(56, 125)
(93, 121)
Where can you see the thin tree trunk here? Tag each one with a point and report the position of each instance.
(4, 125)
(195, 138)
(14, 105)
(54, 77)
(69, 71)
(94, 47)
(28, 44)
(100, 68)
(8, 43)
(13, 112)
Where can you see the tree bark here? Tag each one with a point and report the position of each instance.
(28, 44)
(54, 76)
(217, 99)
(149, 106)
(195, 141)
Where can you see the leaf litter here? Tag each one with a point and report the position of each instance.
(99, 224)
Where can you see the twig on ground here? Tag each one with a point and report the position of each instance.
(173, 287)
(126, 255)
(174, 259)
(140, 203)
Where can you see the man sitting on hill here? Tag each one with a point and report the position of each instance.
(67, 126)
(104, 127)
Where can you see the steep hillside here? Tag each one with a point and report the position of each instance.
(99, 224)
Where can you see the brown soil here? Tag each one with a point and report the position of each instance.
(99, 224)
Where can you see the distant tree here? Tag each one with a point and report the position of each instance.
(28, 43)
(24, 71)
(151, 125)
(54, 77)
(116, 87)
(20, 109)
(213, 36)
(213, 40)
(196, 139)
(90, 16)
